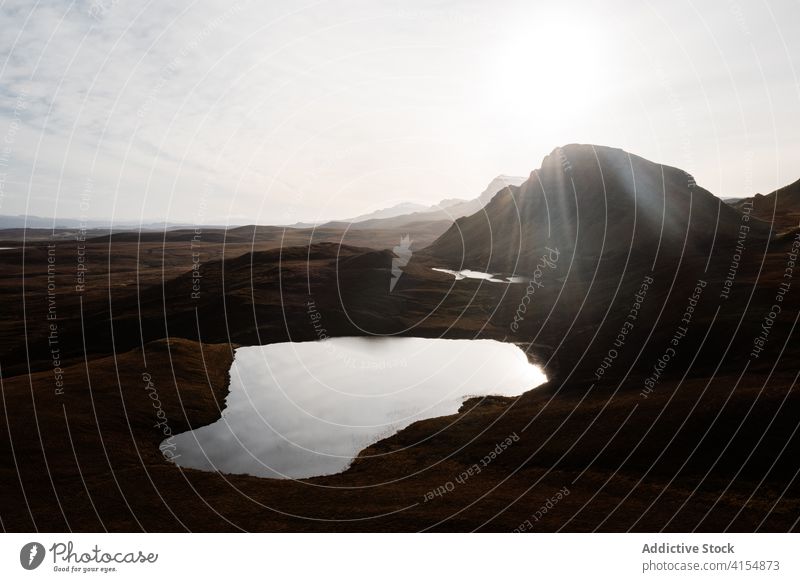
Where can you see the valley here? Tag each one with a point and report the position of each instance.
(671, 401)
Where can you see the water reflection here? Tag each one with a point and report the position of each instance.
(306, 409)
(470, 274)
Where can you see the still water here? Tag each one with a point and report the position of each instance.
(306, 409)
(470, 274)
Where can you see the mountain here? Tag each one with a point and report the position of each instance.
(458, 208)
(445, 211)
(782, 206)
(498, 184)
(391, 212)
(591, 201)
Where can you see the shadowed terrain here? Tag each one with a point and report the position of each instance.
(781, 207)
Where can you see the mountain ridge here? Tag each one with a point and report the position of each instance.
(592, 201)
(782, 206)
(446, 210)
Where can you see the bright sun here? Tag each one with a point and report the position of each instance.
(552, 68)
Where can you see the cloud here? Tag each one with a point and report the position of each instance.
(315, 108)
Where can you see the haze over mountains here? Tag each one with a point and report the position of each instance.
(447, 210)
(404, 212)
(33, 221)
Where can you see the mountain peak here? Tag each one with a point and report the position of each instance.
(594, 201)
(497, 184)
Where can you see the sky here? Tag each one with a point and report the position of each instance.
(216, 112)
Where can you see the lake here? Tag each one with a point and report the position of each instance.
(306, 409)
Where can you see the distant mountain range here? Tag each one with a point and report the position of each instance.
(405, 212)
(408, 214)
(391, 212)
